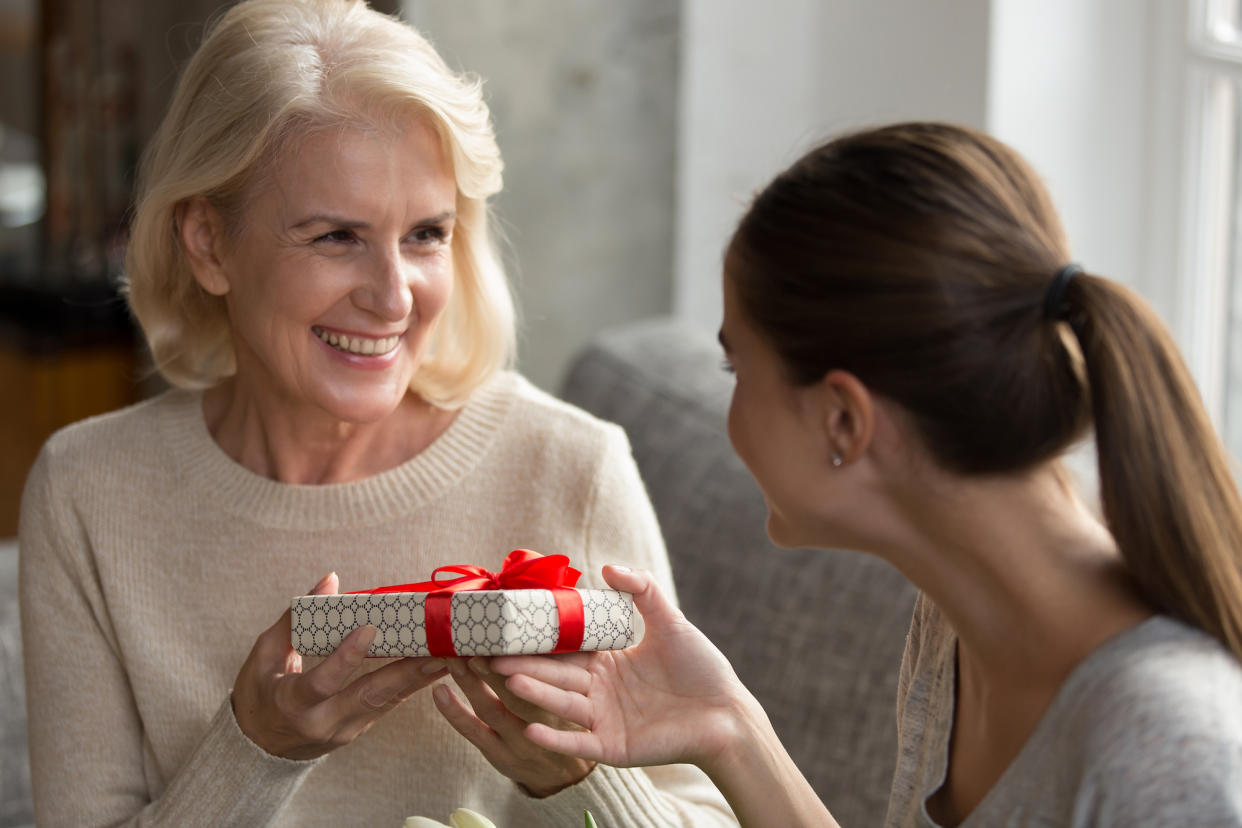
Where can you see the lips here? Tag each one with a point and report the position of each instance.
(360, 345)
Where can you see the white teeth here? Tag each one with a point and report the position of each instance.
(357, 344)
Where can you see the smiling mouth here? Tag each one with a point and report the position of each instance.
(361, 345)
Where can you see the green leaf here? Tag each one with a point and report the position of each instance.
(590, 820)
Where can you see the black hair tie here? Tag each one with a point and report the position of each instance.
(1054, 299)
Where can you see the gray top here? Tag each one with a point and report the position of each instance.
(1147, 730)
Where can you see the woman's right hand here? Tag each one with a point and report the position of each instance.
(672, 698)
(301, 715)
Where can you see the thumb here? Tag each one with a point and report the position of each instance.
(649, 599)
(274, 643)
(329, 584)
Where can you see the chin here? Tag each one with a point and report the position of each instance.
(364, 408)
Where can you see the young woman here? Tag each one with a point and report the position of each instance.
(914, 352)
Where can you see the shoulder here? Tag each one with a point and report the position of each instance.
(1167, 676)
(1160, 713)
(925, 682)
(135, 420)
(107, 445)
(540, 419)
(930, 641)
(571, 461)
(116, 431)
(89, 474)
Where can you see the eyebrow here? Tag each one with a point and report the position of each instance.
(341, 221)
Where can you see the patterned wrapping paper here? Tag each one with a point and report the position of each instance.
(485, 622)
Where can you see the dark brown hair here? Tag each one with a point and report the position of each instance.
(917, 257)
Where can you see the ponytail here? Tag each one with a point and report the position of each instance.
(1166, 489)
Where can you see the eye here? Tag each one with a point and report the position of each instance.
(337, 237)
(432, 234)
(726, 366)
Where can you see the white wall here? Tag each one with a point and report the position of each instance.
(1072, 84)
(758, 88)
(1069, 88)
(584, 98)
(749, 103)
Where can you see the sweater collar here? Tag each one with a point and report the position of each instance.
(219, 480)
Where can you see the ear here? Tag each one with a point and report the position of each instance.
(849, 415)
(201, 231)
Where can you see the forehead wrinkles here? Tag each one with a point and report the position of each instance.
(359, 165)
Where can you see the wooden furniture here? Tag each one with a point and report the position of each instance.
(64, 355)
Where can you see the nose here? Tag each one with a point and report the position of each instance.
(387, 289)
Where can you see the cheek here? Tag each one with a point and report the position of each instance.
(437, 289)
(749, 442)
(736, 425)
(273, 290)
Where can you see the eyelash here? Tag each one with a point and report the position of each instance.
(726, 366)
(438, 235)
(336, 237)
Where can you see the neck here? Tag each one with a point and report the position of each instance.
(1027, 576)
(302, 445)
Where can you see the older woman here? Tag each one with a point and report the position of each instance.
(312, 267)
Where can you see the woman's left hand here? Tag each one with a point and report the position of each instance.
(495, 722)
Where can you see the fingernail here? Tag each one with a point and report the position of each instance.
(621, 568)
(479, 665)
(432, 667)
(323, 582)
(456, 667)
(441, 695)
(362, 642)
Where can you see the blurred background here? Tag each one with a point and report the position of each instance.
(634, 133)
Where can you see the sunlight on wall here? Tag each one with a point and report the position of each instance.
(749, 109)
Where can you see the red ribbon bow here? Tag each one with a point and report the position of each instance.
(522, 569)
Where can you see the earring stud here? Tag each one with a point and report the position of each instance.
(836, 460)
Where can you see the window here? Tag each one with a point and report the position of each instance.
(1212, 234)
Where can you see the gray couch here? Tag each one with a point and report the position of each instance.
(15, 809)
(816, 635)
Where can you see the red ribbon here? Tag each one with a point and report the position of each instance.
(522, 569)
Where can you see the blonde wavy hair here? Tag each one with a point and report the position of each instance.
(268, 73)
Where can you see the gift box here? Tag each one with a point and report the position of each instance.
(530, 606)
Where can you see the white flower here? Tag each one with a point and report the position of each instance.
(466, 818)
(461, 818)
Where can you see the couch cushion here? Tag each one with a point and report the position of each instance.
(816, 635)
(15, 805)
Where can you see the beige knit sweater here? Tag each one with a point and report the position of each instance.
(150, 562)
